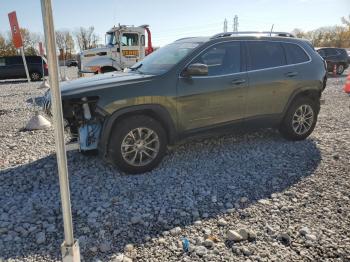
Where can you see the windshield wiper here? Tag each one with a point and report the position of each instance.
(136, 67)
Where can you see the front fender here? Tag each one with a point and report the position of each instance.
(158, 111)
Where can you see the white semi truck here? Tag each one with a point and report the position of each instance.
(125, 46)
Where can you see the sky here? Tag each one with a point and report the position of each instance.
(170, 20)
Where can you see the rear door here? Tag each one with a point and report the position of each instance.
(274, 73)
(218, 97)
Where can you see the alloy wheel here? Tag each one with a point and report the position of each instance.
(35, 76)
(140, 146)
(303, 119)
(340, 69)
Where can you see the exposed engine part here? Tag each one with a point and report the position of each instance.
(89, 135)
(86, 109)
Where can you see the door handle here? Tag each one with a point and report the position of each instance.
(291, 74)
(238, 81)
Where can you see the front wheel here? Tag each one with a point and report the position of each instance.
(137, 144)
(300, 119)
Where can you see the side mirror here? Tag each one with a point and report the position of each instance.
(196, 70)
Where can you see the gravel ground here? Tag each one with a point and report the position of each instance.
(243, 197)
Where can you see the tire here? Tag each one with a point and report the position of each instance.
(340, 69)
(132, 154)
(292, 125)
(35, 75)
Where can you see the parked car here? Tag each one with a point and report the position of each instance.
(335, 57)
(71, 62)
(11, 67)
(191, 86)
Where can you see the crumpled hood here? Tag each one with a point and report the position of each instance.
(100, 81)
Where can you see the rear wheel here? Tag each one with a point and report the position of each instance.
(340, 69)
(137, 144)
(35, 76)
(300, 119)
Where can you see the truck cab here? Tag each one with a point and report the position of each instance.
(125, 46)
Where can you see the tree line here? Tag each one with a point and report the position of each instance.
(85, 38)
(330, 36)
(66, 40)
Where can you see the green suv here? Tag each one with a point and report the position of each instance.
(196, 85)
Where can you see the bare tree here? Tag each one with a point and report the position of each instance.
(68, 44)
(346, 21)
(298, 33)
(86, 38)
(65, 44)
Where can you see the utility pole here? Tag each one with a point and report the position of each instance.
(225, 25)
(235, 23)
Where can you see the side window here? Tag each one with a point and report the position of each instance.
(2, 62)
(221, 59)
(295, 54)
(14, 60)
(143, 40)
(130, 39)
(265, 54)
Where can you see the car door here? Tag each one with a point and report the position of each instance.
(218, 97)
(15, 67)
(271, 79)
(129, 49)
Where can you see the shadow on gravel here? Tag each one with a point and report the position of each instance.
(38, 101)
(12, 81)
(122, 209)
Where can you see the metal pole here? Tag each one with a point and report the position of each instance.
(69, 248)
(42, 67)
(25, 63)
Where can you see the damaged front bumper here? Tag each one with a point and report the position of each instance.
(82, 119)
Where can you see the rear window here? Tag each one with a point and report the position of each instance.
(265, 54)
(33, 59)
(295, 54)
(342, 52)
(331, 51)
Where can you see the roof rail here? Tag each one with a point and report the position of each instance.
(253, 33)
(184, 38)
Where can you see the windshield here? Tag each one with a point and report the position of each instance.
(164, 58)
(110, 39)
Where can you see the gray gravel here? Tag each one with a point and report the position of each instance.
(249, 196)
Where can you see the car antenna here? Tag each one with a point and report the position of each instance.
(271, 29)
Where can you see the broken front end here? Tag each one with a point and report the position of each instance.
(83, 119)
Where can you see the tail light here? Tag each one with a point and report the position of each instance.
(46, 66)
